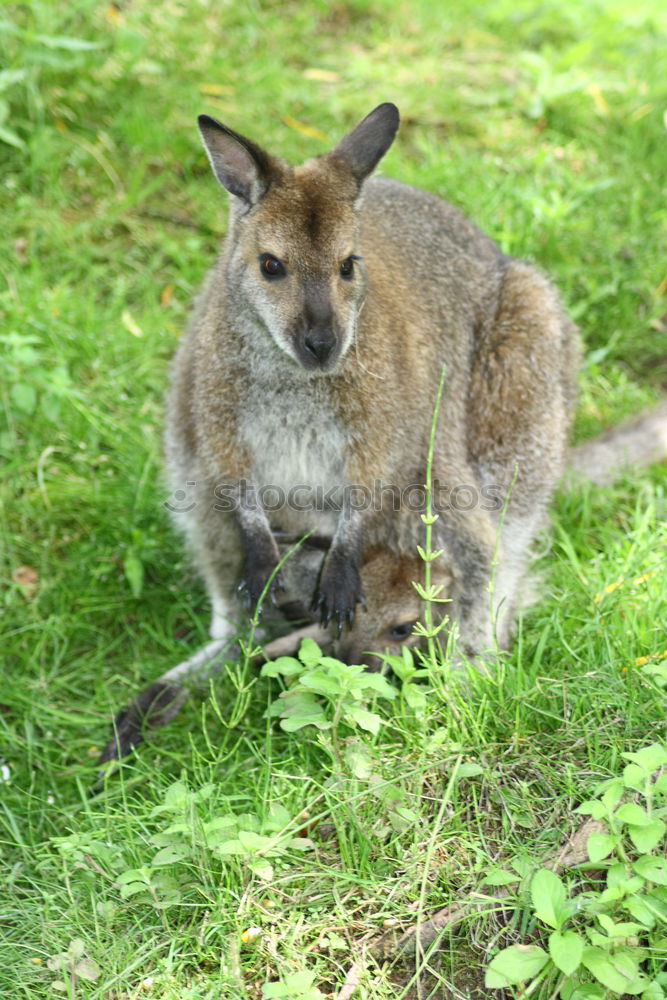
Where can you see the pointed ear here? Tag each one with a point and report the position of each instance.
(240, 166)
(364, 146)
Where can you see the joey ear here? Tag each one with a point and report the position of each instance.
(241, 166)
(365, 145)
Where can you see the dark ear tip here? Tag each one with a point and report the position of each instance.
(207, 121)
(389, 111)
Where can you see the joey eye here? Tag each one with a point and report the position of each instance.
(399, 633)
(271, 267)
(347, 267)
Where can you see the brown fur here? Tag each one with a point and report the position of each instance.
(392, 607)
(249, 402)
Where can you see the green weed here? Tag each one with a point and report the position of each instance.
(609, 938)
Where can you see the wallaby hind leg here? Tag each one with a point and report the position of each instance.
(213, 540)
(468, 543)
(522, 396)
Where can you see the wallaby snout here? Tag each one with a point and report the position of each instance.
(319, 349)
(318, 346)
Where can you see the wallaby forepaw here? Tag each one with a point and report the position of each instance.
(254, 584)
(338, 594)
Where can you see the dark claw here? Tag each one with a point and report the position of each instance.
(319, 608)
(252, 587)
(338, 594)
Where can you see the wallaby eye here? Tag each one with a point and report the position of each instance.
(347, 267)
(271, 267)
(399, 633)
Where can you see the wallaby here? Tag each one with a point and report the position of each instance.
(302, 396)
(392, 606)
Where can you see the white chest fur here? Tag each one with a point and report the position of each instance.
(298, 456)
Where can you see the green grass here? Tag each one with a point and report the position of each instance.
(546, 124)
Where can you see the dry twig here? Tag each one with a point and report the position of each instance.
(389, 943)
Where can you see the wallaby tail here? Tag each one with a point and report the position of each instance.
(162, 700)
(634, 444)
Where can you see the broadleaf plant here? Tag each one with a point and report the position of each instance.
(611, 939)
(326, 693)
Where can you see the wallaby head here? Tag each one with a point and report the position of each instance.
(392, 606)
(293, 260)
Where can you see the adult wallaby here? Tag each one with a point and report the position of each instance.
(302, 396)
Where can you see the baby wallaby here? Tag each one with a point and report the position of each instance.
(302, 396)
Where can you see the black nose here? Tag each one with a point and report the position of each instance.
(320, 347)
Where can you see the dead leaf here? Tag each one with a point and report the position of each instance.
(215, 89)
(113, 14)
(309, 130)
(130, 323)
(324, 75)
(165, 297)
(598, 98)
(28, 580)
